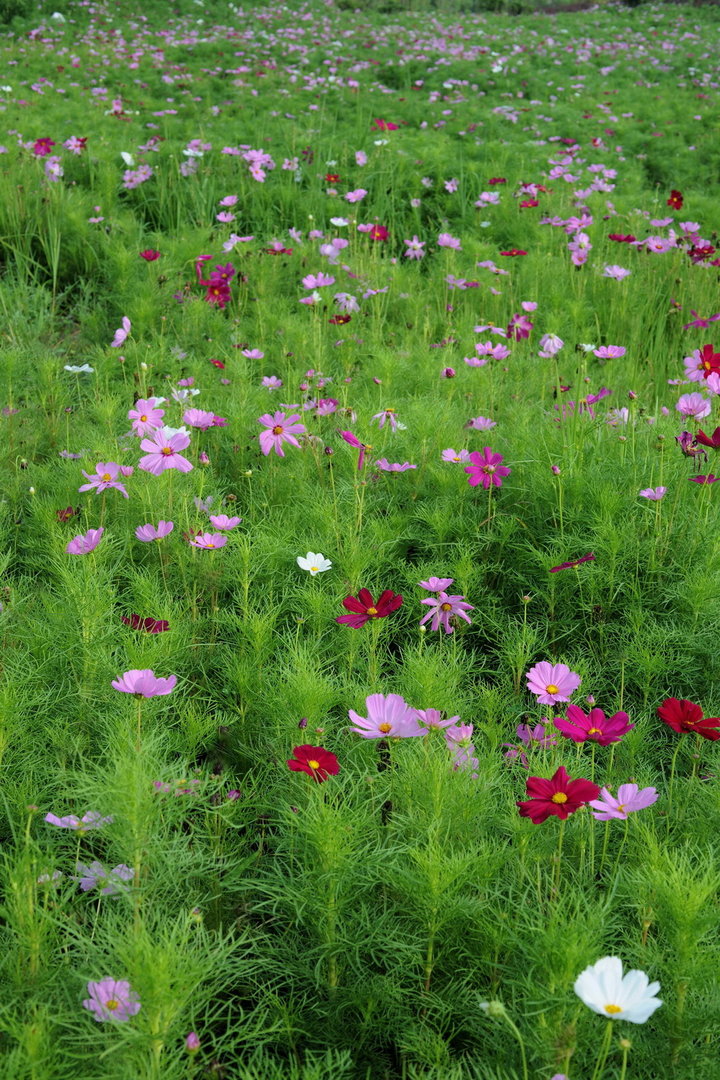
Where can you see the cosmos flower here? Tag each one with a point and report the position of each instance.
(653, 493)
(605, 990)
(279, 429)
(594, 727)
(144, 683)
(313, 563)
(442, 608)
(148, 533)
(82, 545)
(111, 999)
(575, 562)
(162, 452)
(387, 717)
(208, 541)
(149, 625)
(486, 469)
(363, 608)
(105, 476)
(559, 797)
(315, 761)
(121, 334)
(91, 820)
(552, 682)
(684, 716)
(629, 799)
(113, 881)
(396, 467)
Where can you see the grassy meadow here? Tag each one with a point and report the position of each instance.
(430, 296)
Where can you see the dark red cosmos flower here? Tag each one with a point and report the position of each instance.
(217, 363)
(675, 200)
(560, 796)
(707, 440)
(339, 320)
(709, 360)
(150, 255)
(278, 251)
(362, 607)
(514, 251)
(42, 147)
(700, 253)
(151, 626)
(378, 232)
(68, 512)
(709, 479)
(684, 716)
(575, 562)
(622, 238)
(332, 177)
(528, 202)
(315, 761)
(496, 180)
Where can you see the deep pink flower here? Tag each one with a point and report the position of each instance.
(594, 727)
(486, 469)
(709, 479)
(387, 717)
(144, 683)
(82, 545)
(105, 476)
(150, 255)
(279, 429)
(519, 327)
(42, 147)
(362, 607)
(162, 453)
(111, 999)
(552, 682)
(575, 562)
(442, 607)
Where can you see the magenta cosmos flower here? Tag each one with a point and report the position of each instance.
(144, 683)
(147, 533)
(162, 453)
(82, 545)
(442, 607)
(594, 727)
(105, 476)
(552, 682)
(223, 522)
(208, 540)
(279, 429)
(486, 469)
(145, 416)
(111, 999)
(629, 799)
(388, 716)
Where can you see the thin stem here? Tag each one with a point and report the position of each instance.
(557, 859)
(604, 1050)
(672, 781)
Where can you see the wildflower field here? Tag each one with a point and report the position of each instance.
(360, 596)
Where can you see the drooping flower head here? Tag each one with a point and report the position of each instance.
(573, 563)
(363, 607)
(684, 716)
(149, 625)
(315, 761)
(144, 683)
(111, 999)
(605, 990)
(112, 881)
(552, 682)
(388, 716)
(559, 797)
(593, 727)
(486, 469)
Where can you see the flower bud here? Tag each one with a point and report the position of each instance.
(192, 1043)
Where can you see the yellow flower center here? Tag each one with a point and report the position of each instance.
(209, 544)
(552, 688)
(559, 797)
(314, 764)
(107, 477)
(594, 731)
(112, 1005)
(384, 728)
(612, 1009)
(166, 450)
(277, 430)
(372, 611)
(314, 569)
(620, 807)
(446, 607)
(143, 419)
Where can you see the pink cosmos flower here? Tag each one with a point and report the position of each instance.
(385, 465)
(144, 683)
(279, 429)
(653, 493)
(535, 736)
(317, 281)
(162, 453)
(456, 456)
(445, 240)
(121, 334)
(552, 682)
(436, 584)
(146, 416)
(83, 545)
(356, 196)
(486, 469)
(415, 248)
(209, 540)
(481, 423)
(460, 735)
(442, 607)
(594, 727)
(387, 717)
(609, 352)
(550, 345)
(629, 799)
(147, 533)
(694, 405)
(223, 522)
(105, 476)
(112, 1000)
(433, 719)
(42, 147)
(519, 327)
(199, 418)
(386, 416)
(271, 382)
(616, 272)
(91, 820)
(112, 881)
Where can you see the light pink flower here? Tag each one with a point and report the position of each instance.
(105, 476)
(199, 418)
(387, 717)
(147, 533)
(82, 545)
(436, 584)
(144, 683)
(162, 453)
(629, 799)
(432, 718)
(112, 1000)
(442, 607)
(145, 416)
(610, 352)
(208, 540)
(694, 405)
(447, 241)
(616, 272)
(458, 456)
(223, 522)
(91, 820)
(121, 334)
(356, 196)
(653, 493)
(396, 467)
(552, 682)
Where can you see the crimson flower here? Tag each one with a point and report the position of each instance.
(339, 320)
(528, 203)
(560, 796)
(152, 626)
(315, 761)
(331, 178)
(684, 716)
(69, 511)
(149, 255)
(709, 479)
(217, 364)
(709, 361)
(514, 251)
(575, 562)
(496, 180)
(362, 607)
(675, 200)
(700, 252)
(707, 440)
(378, 232)
(622, 238)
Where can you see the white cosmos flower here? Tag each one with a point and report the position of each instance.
(314, 564)
(605, 990)
(128, 159)
(83, 369)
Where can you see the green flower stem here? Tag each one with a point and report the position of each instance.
(604, 1051)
